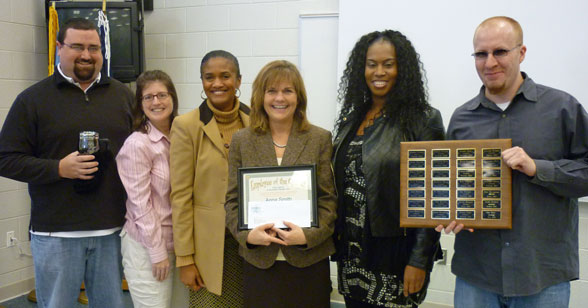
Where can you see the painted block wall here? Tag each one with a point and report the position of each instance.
(23, 61)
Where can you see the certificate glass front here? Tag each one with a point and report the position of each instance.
(277, 194)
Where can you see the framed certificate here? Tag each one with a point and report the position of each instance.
(277, 194)
(462, 180)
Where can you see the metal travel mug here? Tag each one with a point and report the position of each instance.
(89, 142)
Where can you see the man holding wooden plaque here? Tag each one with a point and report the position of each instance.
(531, 264)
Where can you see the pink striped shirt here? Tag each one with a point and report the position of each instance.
(143, 166)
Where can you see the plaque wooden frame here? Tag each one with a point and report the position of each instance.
(461, 180)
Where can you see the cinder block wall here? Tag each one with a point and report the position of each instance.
(23, 61)
(179, 32)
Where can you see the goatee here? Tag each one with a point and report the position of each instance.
(85, 73)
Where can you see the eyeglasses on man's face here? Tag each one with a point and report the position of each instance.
(498, 53)
(160, 96)
(80, 48)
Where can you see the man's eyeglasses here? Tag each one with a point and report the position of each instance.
(498, 53)
(160, 96)
(80, 48)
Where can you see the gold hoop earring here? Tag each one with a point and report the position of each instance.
(203, 95)
(238, 93)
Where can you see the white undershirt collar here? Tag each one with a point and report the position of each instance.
(503, 106)
(72, 81)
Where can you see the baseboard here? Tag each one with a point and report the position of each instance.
(434, 305)
(337, 304)
(17, 289)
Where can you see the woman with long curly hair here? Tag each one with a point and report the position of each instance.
(384, 102)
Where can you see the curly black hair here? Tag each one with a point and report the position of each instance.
(406, 102)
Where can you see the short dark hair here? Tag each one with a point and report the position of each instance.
(221, 54)
(147, 77)
(78, 24)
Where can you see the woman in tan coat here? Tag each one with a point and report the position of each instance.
(207, 255)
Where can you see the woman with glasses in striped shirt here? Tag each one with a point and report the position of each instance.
(143, 165)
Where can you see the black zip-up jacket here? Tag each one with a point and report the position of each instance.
(42, 127)
(381, 168)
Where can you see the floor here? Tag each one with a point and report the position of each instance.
(179, 295)
(23, 302)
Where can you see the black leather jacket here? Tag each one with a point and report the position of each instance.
(381, 167)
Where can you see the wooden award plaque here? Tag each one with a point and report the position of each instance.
(461, 180)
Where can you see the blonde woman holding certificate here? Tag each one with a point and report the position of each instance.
(283, 267)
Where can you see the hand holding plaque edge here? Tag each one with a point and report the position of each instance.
(453, 226)
(519, 160)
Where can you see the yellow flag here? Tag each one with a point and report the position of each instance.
(52, 37)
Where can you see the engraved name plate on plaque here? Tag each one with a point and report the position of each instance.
(462, 180)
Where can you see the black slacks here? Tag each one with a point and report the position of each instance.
(284, 286)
